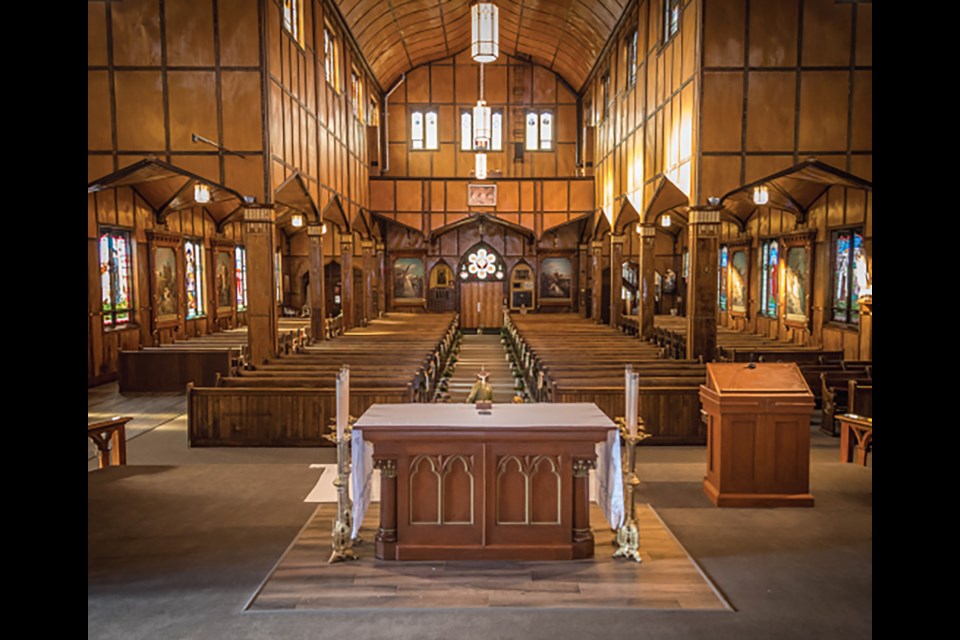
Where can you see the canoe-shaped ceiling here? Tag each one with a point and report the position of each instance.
(565, 36)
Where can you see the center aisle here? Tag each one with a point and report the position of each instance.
(476, 351)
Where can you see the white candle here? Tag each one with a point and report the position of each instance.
(341, 392)
(634, 398)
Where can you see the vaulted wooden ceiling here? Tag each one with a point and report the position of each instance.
(565, 36)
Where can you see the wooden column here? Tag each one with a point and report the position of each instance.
(596, 266)
(386, 538)
(582, 536)
(704, 230)
(318, 302)
(346, 279)
(367, 247)
(616, 278)
(646, 304)
(381, 262)
(583, 270)
(866, 327)
(259, 232)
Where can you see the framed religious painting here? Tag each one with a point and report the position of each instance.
(797, 262)
(166, 281)
(556, 280)
(481, 195)
(738, 279)
(408, 281)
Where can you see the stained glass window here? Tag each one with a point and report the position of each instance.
(278, 276)
(466, 131)
(539, 131)
(193, 255)
(632, 58)
(291, 17)
(849, 274)
(241, 277)
(686, 264)
(115, 278)
(671, 18)
(482, 263)
(356, 94)
(331, 57)
(722, 280)
(416, 130)
(496, 138)
(769, 277)
(431, 138)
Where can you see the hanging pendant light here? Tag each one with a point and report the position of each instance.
(484, 19)
(761, 195)
(481, 126)
(480, 169)
(665, 220)
(297, 220)
(201, 193)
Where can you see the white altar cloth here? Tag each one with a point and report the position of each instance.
(537, 416)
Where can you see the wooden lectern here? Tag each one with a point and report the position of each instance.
(758, 435)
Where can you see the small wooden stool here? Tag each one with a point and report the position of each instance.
(856, 438)
(111, 440)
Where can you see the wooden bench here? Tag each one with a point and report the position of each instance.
(110, 438)
(835, 386)
(856, 438)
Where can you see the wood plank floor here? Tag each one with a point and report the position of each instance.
(666, 579)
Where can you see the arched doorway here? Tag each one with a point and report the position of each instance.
(481, 275)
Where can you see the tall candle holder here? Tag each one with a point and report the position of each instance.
(628, 535)
(343, 524)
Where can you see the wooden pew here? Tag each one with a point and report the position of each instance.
(856, 438)
(110, 438)
(835, 388)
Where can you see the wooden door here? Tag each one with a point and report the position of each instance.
(480, 304)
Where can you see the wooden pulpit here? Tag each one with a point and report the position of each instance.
(758, 435)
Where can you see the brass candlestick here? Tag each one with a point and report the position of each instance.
(343, 525)
(628, 535)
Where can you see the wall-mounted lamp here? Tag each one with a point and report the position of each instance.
(665, 220)
(761, 195)
(201, 193)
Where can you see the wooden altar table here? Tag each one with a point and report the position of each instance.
(511, 485)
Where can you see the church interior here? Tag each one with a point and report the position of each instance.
(479, 319)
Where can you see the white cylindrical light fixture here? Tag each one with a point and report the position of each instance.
(665, 220)
(201, 193)
(761, 195)
(484, 20)
(480, 170)
(481, 126)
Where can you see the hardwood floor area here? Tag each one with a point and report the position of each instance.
(666, 579)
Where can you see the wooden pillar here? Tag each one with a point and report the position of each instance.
(596, 267)
(583, 271)
(367, 247)
(704, 230)
(646, 303)
(318, 302)
(386, 538)
(582, 536)
(346, 279)
(866, 327)
(381, 262)
(259, 232)
(616, 278)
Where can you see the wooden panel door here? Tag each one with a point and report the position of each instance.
(480, 304)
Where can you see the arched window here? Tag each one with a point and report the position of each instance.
(193, 256)
(769, 277)
(849, 275)
(241, 277)
(115, 279)
(481, 264)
